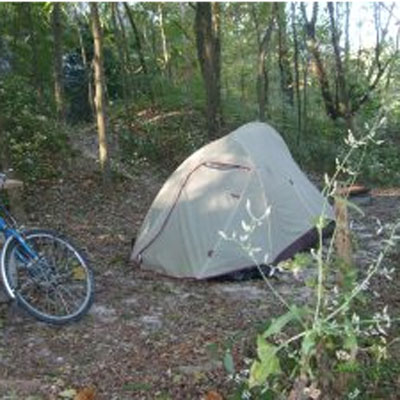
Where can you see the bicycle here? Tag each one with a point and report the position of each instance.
(43, 272)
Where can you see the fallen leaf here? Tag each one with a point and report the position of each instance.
(68, 394)
(213, 395)
(88, 393)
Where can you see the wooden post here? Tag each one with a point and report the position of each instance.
(343, 238)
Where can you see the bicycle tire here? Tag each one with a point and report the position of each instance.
(31, 279)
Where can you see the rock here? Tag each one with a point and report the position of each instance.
(103, 313)
(153, 322)
(241, 291)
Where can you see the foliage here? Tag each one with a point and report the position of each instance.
(30, 137)
(164, 138)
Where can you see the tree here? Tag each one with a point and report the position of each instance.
(340, 100)
(283, 54)
(57, 61)
(262, 75)
(296, 70)
(166, 56)
(120, 48)
(36, 71)
(207, 30)
(99, 80)
(138, 41)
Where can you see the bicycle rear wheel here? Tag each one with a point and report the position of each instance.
(52, 280)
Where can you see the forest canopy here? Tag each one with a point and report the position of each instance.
(173, 76)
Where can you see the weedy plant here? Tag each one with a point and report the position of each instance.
(312, 351)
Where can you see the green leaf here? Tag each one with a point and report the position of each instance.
(279, 323)
(229, 363)
(267, 365)
(308, 344)
(350, 342)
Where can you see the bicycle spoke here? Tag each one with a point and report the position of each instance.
(55, 285)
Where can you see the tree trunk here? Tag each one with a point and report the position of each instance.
(296, 71)
(166, 57)
(36, 71)
(57, 61)
(305, 96)
(342, 97)
(262, 77)
(283, 53)
(128, 61)
(99, 85)
(207, 29)
(88, 70)
(138, 44)
(120, 46)
(329, 102)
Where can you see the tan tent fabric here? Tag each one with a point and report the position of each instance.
(208, 193)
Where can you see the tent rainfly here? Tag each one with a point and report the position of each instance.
(222, 187)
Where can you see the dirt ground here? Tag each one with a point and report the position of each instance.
(146, 336)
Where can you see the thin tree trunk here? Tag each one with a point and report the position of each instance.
(283, 59)
(305, 96)
(138, 41)
(296, 71)
(120, 46)
(347, 39)
(128, 62)
(313, 46)
(36, 71)
(207, 29)
(262, 77)
(99, 85)
(88, 70)
(166, 57)
(57, 63)
(342, 97)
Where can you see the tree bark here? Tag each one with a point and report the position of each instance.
(138, 41)
(296, 70)
(128, 61)
(321, 72)
(262, 77)
(36, 71)
(99, 85)
(88, 72)
(57, 61)
(342, 98)
(283, 54)
(120, 47)
(207, 29)
(166, 57)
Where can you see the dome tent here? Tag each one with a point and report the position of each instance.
(208, 193)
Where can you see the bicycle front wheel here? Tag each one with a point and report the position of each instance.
(48, 276)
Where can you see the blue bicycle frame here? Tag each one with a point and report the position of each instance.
(13, 234)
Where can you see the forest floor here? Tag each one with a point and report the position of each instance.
(147, 336)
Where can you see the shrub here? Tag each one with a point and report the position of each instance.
(30, 139)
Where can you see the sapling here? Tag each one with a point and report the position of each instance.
(329, 333)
